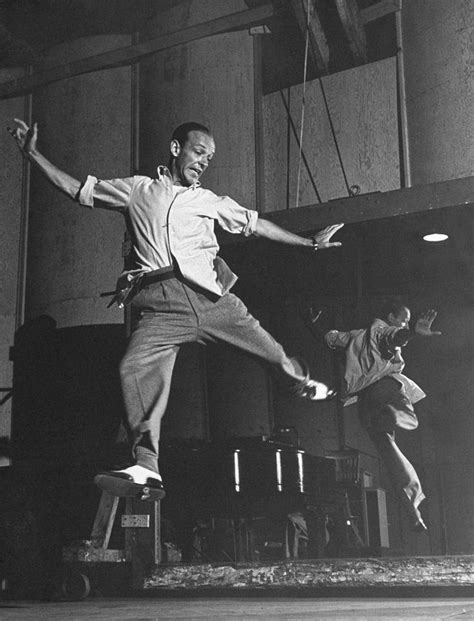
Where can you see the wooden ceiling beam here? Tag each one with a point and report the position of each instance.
(128, 55)
(318, 45)
(374, 206)
(353, 26)
(377, 205)
(375, 11)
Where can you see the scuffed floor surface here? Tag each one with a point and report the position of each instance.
(264, 609)
(354, 572)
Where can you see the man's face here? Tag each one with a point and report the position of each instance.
(191, 159)
(401, 319)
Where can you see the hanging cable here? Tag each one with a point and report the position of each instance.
(350, 192)
(333, 132)
(305, 161)
(303, 100)
(299, 138)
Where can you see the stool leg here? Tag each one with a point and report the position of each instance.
(143, 545)
(104, 520)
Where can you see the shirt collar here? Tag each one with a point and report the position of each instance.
(164, 171)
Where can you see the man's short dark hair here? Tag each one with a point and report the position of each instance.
(392, 305)
(181, 133)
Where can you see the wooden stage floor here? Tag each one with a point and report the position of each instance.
(243, 608)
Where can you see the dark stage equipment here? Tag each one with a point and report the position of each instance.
(66, 414)
(247, 499)
(67, 404)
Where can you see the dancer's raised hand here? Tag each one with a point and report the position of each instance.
(24, 136)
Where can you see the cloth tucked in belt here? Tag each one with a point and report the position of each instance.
(129, 283)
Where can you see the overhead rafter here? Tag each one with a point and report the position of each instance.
(375, 11)
(374, 206)
(377, 205)
(128, 55)
(353, 27)
(318, 45)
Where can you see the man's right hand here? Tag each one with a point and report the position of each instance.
(423, 324)
(24, 136)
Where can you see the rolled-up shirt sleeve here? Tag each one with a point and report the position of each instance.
(234, 218)
(110, 194)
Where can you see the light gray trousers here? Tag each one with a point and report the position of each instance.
(172, 313)
(383, 408)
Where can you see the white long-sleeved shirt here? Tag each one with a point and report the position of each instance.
(169, 223)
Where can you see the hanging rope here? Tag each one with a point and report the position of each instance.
(305, 161)
(333, 132)
(350, 192)
(303, 100)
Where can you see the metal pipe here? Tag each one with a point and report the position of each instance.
(258, 124)
(402, 97)
(24, 222)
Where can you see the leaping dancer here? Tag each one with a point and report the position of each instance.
(178, 285)
(373, 372)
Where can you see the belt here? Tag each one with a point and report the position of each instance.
(158, 275)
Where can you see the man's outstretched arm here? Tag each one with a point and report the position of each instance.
(26, 139)
(269, 230)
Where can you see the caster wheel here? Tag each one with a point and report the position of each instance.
(75, 586)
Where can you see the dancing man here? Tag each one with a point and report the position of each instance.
(373, 372)
(178, 285)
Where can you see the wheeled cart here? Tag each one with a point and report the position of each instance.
(90, 561)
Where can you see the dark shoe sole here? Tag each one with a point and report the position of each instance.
(118, 485)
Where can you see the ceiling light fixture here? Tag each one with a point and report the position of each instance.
(435, 237)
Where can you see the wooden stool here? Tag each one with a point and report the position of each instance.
(142, 545)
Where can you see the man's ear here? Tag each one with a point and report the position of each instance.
(175, 148)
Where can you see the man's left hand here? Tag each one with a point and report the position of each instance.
(423, 324)
(322, 237)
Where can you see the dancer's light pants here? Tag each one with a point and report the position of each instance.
(172, 313)
(383, 407)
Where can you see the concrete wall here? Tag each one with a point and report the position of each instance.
(11, 207)
(438, 48)
(444, 369)
(85, 128)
